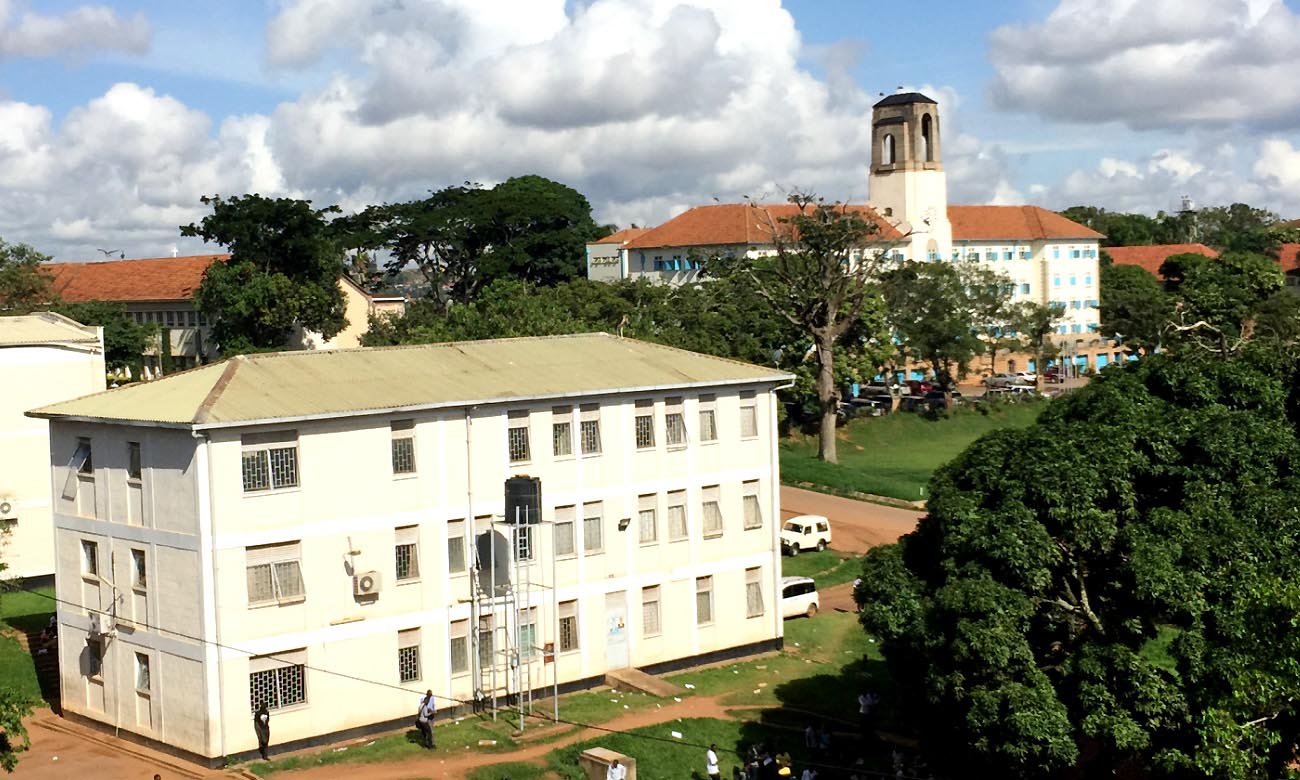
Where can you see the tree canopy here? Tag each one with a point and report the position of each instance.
(1112, 587)
(22, 285)
(1133, 307)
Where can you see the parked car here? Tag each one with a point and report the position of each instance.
(1028, 377)
(799, 597)
(1053, 375)
(1003, 380)
(880, 386)
(935, 398)
(919, 386)
(805, 532)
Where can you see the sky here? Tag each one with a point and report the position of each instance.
(115, 119)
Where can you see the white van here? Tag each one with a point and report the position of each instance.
(805, 532)
(799, 597)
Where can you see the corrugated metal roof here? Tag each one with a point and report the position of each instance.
(322, 384)
(44, 328)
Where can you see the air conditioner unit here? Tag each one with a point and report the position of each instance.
(8, 509)
(101, 624)
(366, 584)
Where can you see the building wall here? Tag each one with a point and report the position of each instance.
(604, 262)
(357, 310)
(35, 376)
(160, 617)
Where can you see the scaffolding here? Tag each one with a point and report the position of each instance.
(509, 612)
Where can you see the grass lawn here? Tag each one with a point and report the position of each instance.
(827, 567)
(895, 455)
(21, 611)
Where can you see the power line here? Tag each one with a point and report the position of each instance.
(465, 702)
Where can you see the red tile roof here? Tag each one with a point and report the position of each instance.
(1023, 223)
(735, 224)
(620, 236)
(1151, 257)
(157, 279)
(1288, 256)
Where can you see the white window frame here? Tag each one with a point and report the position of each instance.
(569, 611)
(677, 500)
(712, 521)
(518, 446)
(647, 519)
(274, 557)
(589, 430)
(704, 587)
(754, 606)
(708, 419)
(748, 415)
(402, 433)
(675, 435)
(651, 615)
(456, 536)
(409, 639)
(406, 536)
(266, 447)
(562, 431)
(280, 666)
(643, 425)
(594, 510)
(751, 505)
(458, 630)
(565, 530)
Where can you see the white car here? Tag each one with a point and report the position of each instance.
(799, 597)
(805, 532)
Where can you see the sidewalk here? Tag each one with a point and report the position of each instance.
(61, 749)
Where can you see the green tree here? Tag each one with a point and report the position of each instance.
(820, 278)
(1239, 226)
(284, 267)
(931, 315)
(125, 340)
(23, 286)
(989, 296)
(1112, 588)
(1219, 300)
(1035, 323)
(1134, 307)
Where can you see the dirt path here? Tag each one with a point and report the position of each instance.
(61, 749)
(856, 526)
(457, 765)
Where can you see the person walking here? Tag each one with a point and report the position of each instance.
(262, 726)
(424, 719)
(711, 767)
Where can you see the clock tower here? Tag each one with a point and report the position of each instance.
(908, 186)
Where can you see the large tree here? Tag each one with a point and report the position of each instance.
(23, 286)
(125, 340)
(1113, 587)
(1134, 307)
(284, 268)
(932, 314)
(1035, 323)
(820, 276)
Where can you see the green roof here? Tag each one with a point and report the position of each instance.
(336, 383)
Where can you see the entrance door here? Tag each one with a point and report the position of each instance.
(616, 653)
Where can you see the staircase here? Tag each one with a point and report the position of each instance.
(46, 664)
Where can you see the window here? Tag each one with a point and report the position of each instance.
(456, 546)
(82, 463)
(170, 317)
(708, 418)
(1056, 281)
(524, 542)
(1056, 253)
(564, 546)
(703, 601)
(753, 592)
(277, 681)
(675, 423)
(142, 681)
(1076, 328)
(1024, 289)
(590, 429)
(1087, 280)
(677, 515)
(94, 658)
(1074, 280)
(562, 431)
(270, 461)
(650, 625)
(408, 655)
(517, 436)
(1076, 304)
(748, 416)
(527, 633)
(646, 522)
(568, 626)
(89, 558)
(991, 255)
(592, 528)
(406, 552)
(887, 149)
(712, 511)
(1026, 254)
(1006, 255)
(459, 649)
(1074, 253)
(139, 571)
(274, 574)
(403, 434)
(486, 647)
(753, 510)
(645, 425)
(133, 460)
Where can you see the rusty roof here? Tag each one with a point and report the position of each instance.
(622, 236)
(1021, 223)
(1151, 257)
(737, 224)
(152, 279)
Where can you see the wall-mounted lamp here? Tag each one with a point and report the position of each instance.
(624, 523)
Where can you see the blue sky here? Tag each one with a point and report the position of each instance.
(115, 119)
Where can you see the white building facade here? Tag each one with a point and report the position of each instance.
(307, 530)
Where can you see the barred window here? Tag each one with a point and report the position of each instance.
(645, 425)
(459, 651)
(753, 509)
(650, 625)
(277, 681)
(568, 626)
(408, 655)
(703, 600)
(675, 423)
(268, 464)
(590, 429)
(403, 436)
(564, 546)
(274, 574)
(677, 529)
(592, 528)
(753, 592)
(711, 504)
(647, 523)
(748, 416)
(455, 546)
(708, 418)
(405, 551)
(562, 431)
(517, 436)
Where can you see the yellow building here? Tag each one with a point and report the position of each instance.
(310, 530)
(43, 358)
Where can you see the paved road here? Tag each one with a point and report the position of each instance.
(856, 526)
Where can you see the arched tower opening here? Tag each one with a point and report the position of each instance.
(887, 149)
(927, 138)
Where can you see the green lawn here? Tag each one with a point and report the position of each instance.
(895, 455)
(827, 567)
(21, 611)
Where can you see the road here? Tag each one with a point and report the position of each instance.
(856, 526)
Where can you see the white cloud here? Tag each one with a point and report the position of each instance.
(1153, 63)
(84, 30)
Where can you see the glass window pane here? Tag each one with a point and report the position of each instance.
(256, 473)
(562, 438)
(284, 467)
(564, 539)
(708, 425)
(259, 584)
(288, 579)
(648, 526)
(403, 455)
(408, 663)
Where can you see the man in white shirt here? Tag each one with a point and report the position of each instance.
(616, 771)
(424, 718)
(711, 763)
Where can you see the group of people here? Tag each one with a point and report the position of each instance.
(762, 762)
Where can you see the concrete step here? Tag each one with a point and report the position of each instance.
(638, 680)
